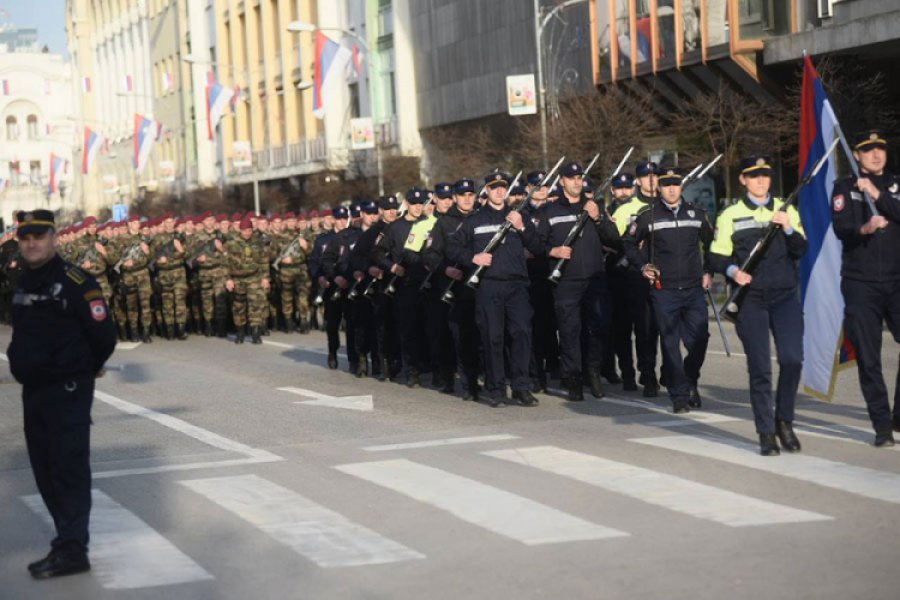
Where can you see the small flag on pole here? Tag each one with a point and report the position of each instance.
(86, 82)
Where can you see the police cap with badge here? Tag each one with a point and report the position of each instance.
(496, 178)
(536, 177)
(670, 176)
(869, 139)
(464, 186)
(368, 207)
(416, 195)
(443, 190)
(388, 203)
(571, 169)
(38, 222)
(646, 168)
(623, 180)
(756, 165)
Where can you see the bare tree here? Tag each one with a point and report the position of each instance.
(732, 124)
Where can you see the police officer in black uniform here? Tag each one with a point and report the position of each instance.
(394, 258)
(335, 279)
(667, 243)
(383, 310)
(772, 301)
(870, 272)
(448, 280)
(62, 336)
(501, 301)
(363, 310)
(437, 313)
(581, 295)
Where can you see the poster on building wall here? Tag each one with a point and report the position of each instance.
(362, 134)
(167, 171)
(242, 154)
(110, 184)
(521, 97)
(119, 212)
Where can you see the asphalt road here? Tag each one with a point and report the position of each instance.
(253, 472)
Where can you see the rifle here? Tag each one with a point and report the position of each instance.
(289, 251)
(130, 254)
(448, 297)
(581, 222)
(736, 299)
(209, 247)
(475, 278)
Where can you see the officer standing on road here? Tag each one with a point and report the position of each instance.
(581, 296)
(62, 336)
(667, 243)
(870, 272)
(502, 310)
(772, 301)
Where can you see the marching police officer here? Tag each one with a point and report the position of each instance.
(62, 336)
(870, 272)
(772, 301)
(335, 280)
(666, 242)
(501, 300)
(581, 293)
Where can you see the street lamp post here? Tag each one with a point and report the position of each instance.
(299, 27)
(539, 24)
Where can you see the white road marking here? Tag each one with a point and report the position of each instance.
(363, 403)
(127, 345)
(321, 535)
(861, 481)
(444, 442)
(699, 417)
(660, 489)
(496, 510)
(251, 455)
(125, 552)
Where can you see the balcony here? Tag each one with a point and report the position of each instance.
(276, 162)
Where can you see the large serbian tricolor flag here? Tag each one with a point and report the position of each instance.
(824, 349)
(146, 132)
(93, 142)
(218, 101)
(330, 63)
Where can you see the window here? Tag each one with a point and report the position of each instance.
(32, 127)
(14, 172)
(34, 172)
(12, 129)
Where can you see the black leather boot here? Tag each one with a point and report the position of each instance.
(255, 334)
(576, 389)
(180, 332)
(170, 332)
(595, 383)
(241, 334)
(786, 436)
(768, 446)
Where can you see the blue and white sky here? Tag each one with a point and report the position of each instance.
(49, 16)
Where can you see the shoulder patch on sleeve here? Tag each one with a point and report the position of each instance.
(76, 275)
(93, 295)
(838, 203)
(98, 310)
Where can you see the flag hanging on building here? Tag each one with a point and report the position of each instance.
(330, 62)
(57, 167)
(820, 268)
(4, 183)
(166, 81)
(128, 83)
(86, 83)
(146, 132)
(48, 87)
(6, 87)
(93, 142)
(218, 98)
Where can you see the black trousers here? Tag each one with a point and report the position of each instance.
(632, 315)
(465, 335)
(57, 434)
(780, 312)
(867, 306)
(683, 319)
(545, 351)
(577, 302)
(364, 330)
(335, 311)
(437, 328)
(502, 310)
(385, 330)
(408, 322)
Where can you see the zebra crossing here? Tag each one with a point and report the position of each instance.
(127, 553)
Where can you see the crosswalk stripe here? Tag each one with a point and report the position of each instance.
(500, 437)
(496, 510)
(126, 553)
(660, 489)
(861, 481)
(320, 534)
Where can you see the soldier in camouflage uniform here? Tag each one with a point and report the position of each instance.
(248, 283)
(169, 252)
(133, 259)
(93, 258)
(293, 275)
(268, 252)
(207, 255)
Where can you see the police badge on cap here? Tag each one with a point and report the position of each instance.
(35, 221)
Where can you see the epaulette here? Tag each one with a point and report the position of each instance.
(75, 274)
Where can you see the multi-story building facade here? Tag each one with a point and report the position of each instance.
(36, 108)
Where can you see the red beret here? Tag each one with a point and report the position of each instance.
(289, 215)
(207, 215)
(326, 212)
(222, 217)
(236, 216)
(277, 217)
(88, 221)
(134, 217)
(313, 214)
(246, 223)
